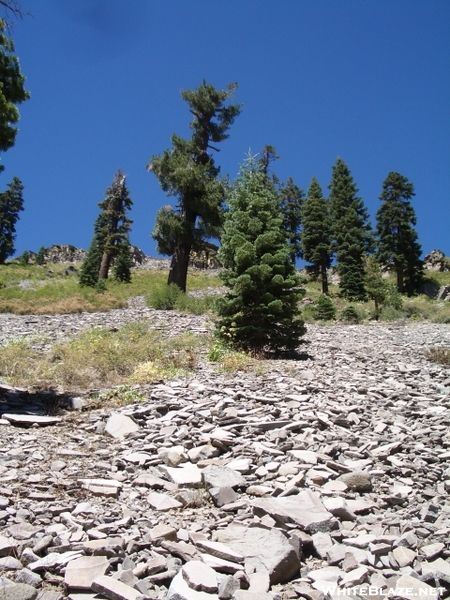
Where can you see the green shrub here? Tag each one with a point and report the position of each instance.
(24, 259)
(325, 309)
(100, 286)
(164, 297)
(230, 360)
(40, 256)
(389, 313)
(393, 297)
(350, 315)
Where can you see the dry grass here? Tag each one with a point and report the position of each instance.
(30, 290)
(100, 358)
(73, 304)
(439, 355)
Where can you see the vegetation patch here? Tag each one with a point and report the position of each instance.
(99, 358)
(170, 297)
(439, 355)
(229, 360)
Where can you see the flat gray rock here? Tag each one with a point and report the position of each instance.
(180, 590)
(119, 426)
(264, 549)
(200, 577)
(115, 589)
(305, 509)
(29, 420)
(215, 476)
(81, 572)
(17, 591)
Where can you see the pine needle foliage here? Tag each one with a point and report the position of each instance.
(291, 202)
(91, 265)
(123, 263)
(188, 172)
(12, 91)
(110, 242)
(398, 247)
(260, 312)
(316, 235)
(11, 203)
(351, 229)
(325, 309)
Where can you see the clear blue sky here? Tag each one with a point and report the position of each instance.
(367, 81)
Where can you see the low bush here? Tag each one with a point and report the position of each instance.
(350, 315)
(163, 297)
(170, 297)
(389, 313)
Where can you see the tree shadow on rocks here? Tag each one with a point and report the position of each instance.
(20, 401)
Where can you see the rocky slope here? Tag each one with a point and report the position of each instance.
(320, 475)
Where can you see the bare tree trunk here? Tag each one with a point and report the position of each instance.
(324, 278)
(377, 309)
(400, 282)
(104, 265)
(179, 266)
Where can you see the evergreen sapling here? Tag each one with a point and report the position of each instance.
(260, 313)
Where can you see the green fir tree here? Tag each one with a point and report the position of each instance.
(398, 246)
(352, 235)
(91, 264)
(40, 256)
(123, 264)
(11, 203)
(115, 224)
(325, 309)
(316, 235)
(260, 312)
(12, 91)
(291, 203)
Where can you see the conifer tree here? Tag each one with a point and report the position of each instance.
(115, 224)
(40, 256)
(188, 172)
(376, 286)
(91, 264)
(291, 202)
(316, 234)
(325, 309)
(352, 236)
(123, 264)
(11, 203)
(12, 91)
(260, 312)
(398, 247)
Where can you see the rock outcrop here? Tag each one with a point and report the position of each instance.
(436, 261)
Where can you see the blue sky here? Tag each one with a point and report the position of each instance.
(368, 81)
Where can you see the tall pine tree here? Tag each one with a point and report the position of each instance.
(260, 312)
(316, 234)
(291, 199)
(116, 224)
(188, 172)
(352, 235)
(111, 229)
(11, 203)
(398, 247)
(91, 264)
